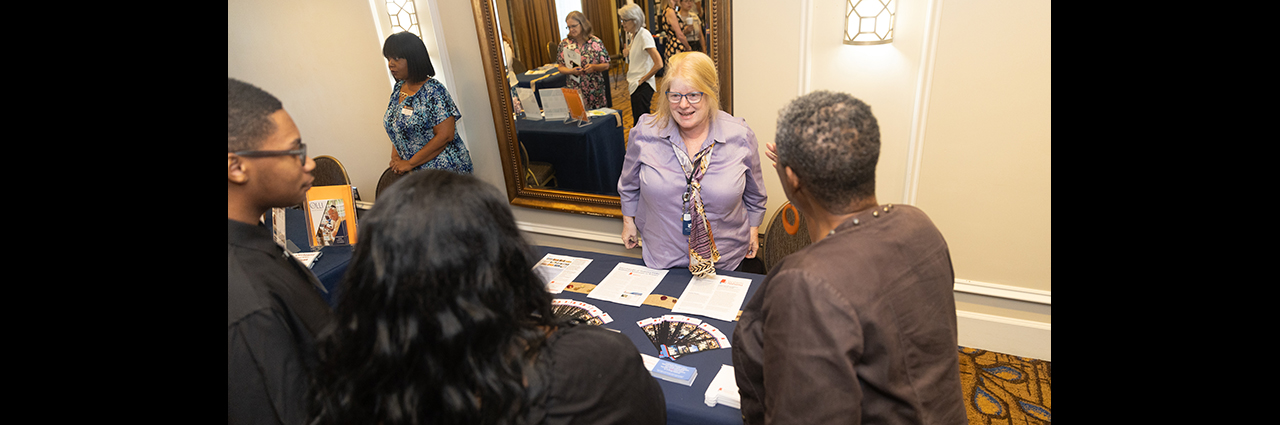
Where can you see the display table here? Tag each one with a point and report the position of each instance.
(548, 80)
(685, 404)
(333, 260)
(586, 159)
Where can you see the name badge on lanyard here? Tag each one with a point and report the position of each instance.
(406, 110)
(687, 219)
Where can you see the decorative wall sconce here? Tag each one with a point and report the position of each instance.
(869, 21)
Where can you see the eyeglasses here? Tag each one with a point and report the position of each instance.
(693, 97)
(301, 153)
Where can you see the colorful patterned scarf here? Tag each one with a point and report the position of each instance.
(702, 245)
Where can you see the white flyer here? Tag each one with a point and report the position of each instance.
(532, 110)
(554, 106)
(559, 271)
(628, 284)
(719, 297)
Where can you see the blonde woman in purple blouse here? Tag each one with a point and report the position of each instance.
(691, 186)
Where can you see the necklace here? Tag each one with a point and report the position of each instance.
(875, 212)
(405, 94)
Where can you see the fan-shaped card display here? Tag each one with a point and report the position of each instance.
(675, 335)
(587, 313)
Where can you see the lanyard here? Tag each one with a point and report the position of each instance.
(686, 165)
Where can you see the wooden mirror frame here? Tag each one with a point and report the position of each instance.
(721, 51)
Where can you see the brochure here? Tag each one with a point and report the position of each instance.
(532, 111)
(718, 297)
(558, 271)
(331, 215)
(553, 104)
(577, 108)
(669, 371)
(628, 284)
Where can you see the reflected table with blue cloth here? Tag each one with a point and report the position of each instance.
(547, 80)
(586, 159)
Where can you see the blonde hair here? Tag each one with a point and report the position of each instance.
(696, 69)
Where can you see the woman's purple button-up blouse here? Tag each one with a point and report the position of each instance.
(733, 193)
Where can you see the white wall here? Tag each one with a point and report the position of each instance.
(963, 109)
(323, 59)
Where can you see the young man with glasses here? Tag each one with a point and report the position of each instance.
(274, 310)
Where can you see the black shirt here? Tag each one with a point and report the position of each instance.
(274, 312)
(596, 377)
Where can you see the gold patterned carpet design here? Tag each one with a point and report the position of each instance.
(1002, 389)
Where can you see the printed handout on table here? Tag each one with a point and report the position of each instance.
(558, 271)
(718, 297)
(628, 284)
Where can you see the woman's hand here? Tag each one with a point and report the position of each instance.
(400, 166)
(754, 242)
(771, 151)
(630, 237)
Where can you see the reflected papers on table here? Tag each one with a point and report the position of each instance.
(558, 271)
(719, 297)
(628, 284)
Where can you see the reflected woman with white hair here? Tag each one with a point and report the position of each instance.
(642, 55)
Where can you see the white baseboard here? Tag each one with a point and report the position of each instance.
(1007, 335)
(568, 232)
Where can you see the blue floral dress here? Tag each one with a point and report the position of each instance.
(409, 125)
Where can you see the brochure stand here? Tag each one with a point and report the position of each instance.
(331, 216)
(577, 110)
(553, 104)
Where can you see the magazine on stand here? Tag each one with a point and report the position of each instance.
(331, 216)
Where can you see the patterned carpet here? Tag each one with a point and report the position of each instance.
(1002, 389)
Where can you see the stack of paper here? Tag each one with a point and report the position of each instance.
(724, 389)
(669, 371)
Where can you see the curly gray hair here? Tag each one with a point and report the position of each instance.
(832, 143)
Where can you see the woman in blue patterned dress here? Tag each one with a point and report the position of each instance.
(421, 118)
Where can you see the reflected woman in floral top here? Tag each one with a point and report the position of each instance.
(588, 75)
(421, 118)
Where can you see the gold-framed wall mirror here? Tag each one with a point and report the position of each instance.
(532, 30)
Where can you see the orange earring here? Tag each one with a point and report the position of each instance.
(788, 225)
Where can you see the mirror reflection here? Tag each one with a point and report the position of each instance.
(584, 45)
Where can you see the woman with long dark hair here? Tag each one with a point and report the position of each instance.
(443, 321)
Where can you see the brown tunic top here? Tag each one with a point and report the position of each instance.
(859, 327)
